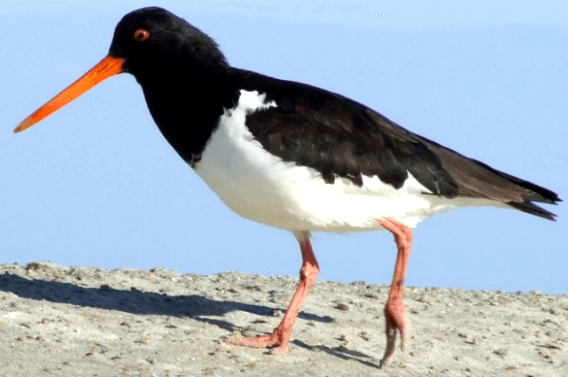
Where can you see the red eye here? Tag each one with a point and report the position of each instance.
(141, 35)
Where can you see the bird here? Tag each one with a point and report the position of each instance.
(294, 156)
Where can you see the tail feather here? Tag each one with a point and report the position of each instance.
(533, 209)
(478, 180)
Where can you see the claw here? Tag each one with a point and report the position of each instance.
(277, 341)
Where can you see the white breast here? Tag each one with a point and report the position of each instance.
(262, 187)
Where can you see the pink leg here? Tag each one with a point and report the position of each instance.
(394, 309)
(281, 335)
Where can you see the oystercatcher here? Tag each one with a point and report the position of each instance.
(294, 156)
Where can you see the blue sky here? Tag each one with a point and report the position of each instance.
(96, 184)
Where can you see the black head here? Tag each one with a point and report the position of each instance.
(165, 54)
(153, 39)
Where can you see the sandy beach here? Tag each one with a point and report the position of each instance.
(82, 321)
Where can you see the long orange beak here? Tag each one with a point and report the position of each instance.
(107, 67)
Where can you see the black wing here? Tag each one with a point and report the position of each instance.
(341, 137)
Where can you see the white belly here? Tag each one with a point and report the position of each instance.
(261, 187)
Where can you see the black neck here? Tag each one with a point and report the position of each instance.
(187, 107)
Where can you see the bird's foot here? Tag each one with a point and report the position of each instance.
(277, 341)
(394, 317)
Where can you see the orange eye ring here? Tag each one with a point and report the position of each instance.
(141, 35)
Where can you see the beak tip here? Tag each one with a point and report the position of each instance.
(22, 126)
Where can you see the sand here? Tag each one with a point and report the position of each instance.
(81, 321)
